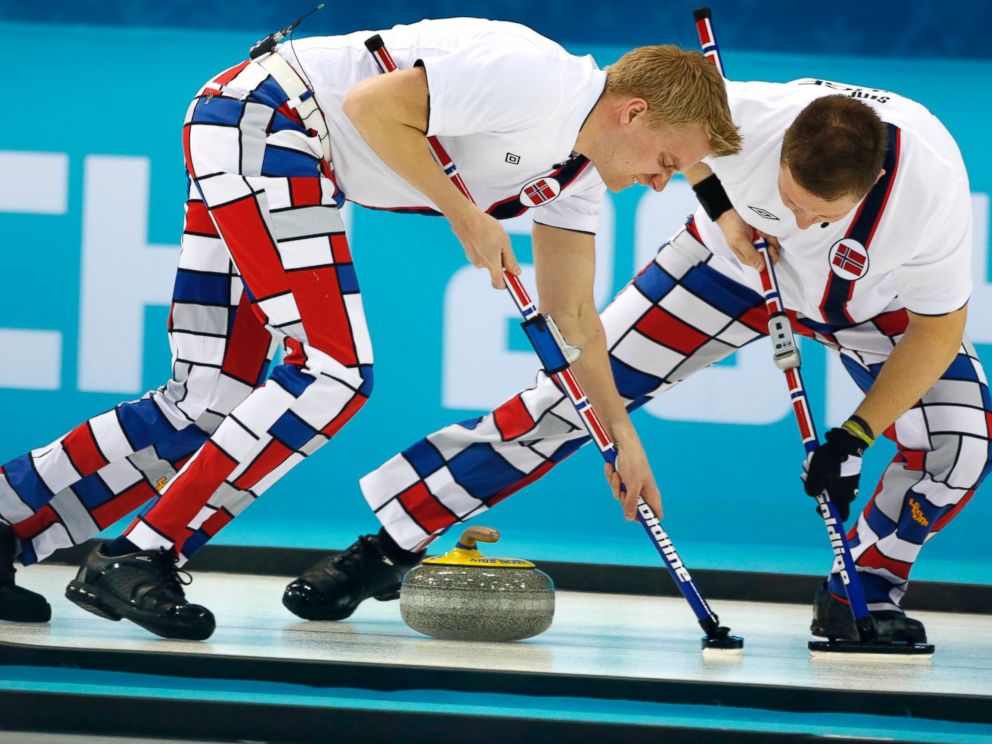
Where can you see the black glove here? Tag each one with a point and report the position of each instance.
(836, 468)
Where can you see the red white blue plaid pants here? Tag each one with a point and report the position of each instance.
(264, 261)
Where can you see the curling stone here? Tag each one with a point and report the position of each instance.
(465, 596)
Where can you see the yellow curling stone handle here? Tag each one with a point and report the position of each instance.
(465, 552)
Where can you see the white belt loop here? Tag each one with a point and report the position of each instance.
(294, 87)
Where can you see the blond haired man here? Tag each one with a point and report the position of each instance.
(274, 146)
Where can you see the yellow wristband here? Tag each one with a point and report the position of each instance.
(852, 428)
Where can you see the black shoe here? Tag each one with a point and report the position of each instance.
(17, 604)
(333, 588)
(832, 619)
(146, 588)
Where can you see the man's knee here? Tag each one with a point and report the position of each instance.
(959, 461)
(296, 378)
(204, 397)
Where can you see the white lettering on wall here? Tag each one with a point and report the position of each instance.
(32, 183)
(843, 396)
(32, 360)
(980, 305)
(121, 274)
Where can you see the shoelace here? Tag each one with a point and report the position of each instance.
(355, 554)
(174, 577)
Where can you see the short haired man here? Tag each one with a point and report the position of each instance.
(866, 199)
(274, 146)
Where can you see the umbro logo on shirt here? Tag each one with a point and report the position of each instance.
(512, 158)
(848, 259)
(762, 213)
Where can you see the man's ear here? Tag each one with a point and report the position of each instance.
(633, 108)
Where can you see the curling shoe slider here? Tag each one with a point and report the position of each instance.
(895, 634)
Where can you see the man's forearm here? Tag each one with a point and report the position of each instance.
(387, 116)
(918, 360)
(565, 266)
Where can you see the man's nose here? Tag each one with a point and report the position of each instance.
(804, 220)
(660, 181)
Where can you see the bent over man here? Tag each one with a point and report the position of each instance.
(273, 148)
(866, 197)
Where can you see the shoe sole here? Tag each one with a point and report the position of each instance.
(18, 605)
(82, 596)
(821, 632)
(105, 605)
(25, 617)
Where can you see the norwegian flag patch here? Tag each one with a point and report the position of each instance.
(848, 259)
(539, 192)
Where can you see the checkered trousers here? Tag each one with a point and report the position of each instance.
(269, 192)
(678, 316)
(264, 261)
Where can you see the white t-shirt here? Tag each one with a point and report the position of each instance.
(506, 103)
(906, 245)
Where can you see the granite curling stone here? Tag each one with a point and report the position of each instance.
(465, 596)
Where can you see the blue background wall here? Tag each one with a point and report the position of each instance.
(90, 140)
(921, 28)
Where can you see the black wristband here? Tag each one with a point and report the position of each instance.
(712, 197)
(863, 424)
